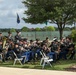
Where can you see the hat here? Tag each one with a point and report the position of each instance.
(37, 39)
(54, 39)
(9, 32)
(31, 40)
(16, 43)
(25, 39)
(20, 39)
(17, 31)
(0, 33)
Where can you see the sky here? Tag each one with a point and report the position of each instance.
(8, 15)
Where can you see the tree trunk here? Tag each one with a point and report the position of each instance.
(61, 27)
(61, 33)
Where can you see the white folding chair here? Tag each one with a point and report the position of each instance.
(0, 56)
(45, 60)
(17, 59)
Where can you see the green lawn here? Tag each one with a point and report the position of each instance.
(59, 65)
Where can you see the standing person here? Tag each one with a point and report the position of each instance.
(10, 37)
(47, 42)
(18, 36)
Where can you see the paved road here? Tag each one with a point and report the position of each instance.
(18, 71)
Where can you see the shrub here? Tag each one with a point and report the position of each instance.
(73, 35)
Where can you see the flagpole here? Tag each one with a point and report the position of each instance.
(17, 24)
(46, 22)
(16, 20)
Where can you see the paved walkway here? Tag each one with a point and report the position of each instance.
(18, 71)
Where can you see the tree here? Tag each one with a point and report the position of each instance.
(50, 28)
(67, 29)
(73, 35)
(12, 30)
(60, 12)
(24, 29)
(37, 29)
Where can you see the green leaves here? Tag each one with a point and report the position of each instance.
(73, 35)
(50, 9)
(37, 29)
(50, 28)
(60, 12)
(24, 29)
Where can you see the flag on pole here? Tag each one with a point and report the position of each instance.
(18, 19)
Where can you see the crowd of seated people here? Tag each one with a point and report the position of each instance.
(63, 49)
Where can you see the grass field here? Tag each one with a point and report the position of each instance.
(59, 65)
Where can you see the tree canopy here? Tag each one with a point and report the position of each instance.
(50, 28)
(12, 30)
(37, 29)
(24, 29)
(60, 12)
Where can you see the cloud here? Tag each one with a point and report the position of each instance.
(8, 10)
(8, 16)
(1, 1)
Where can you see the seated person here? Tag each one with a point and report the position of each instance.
(17, 50)
(71, 51)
